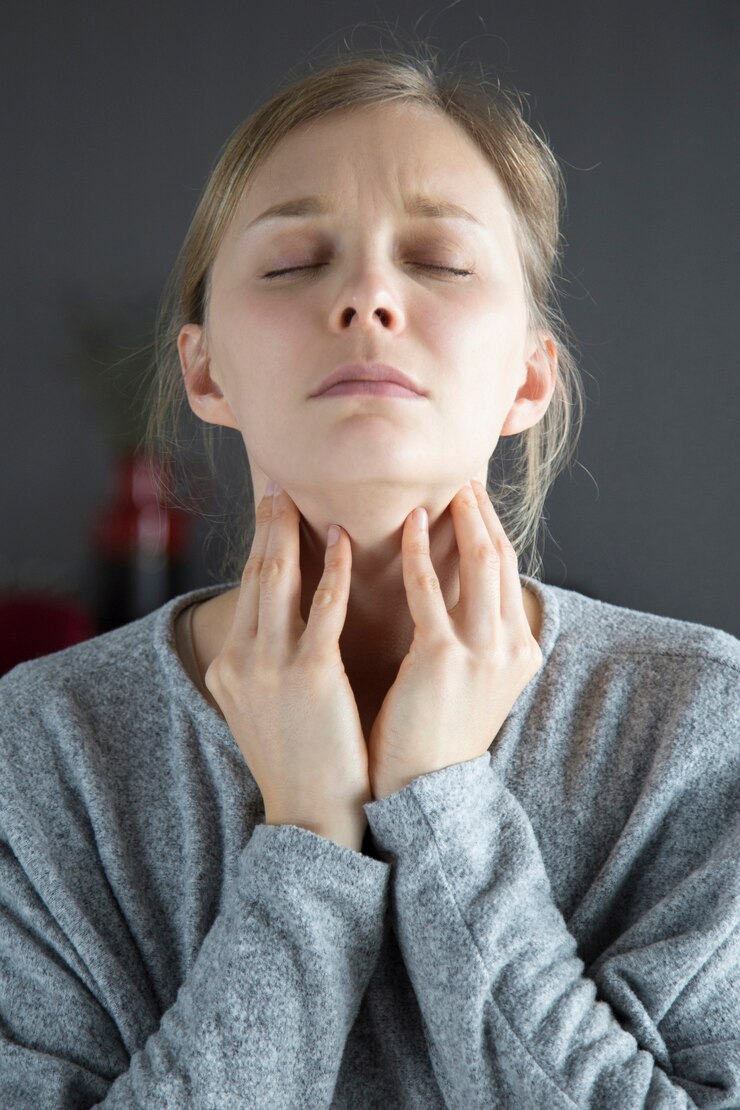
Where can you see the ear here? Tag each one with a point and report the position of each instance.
(204, 392)
(533, 398)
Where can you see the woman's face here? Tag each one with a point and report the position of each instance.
(269, 341)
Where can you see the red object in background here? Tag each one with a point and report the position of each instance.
(35, 624)
(139, 546)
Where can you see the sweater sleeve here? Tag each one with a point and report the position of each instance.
(512, 1016)
(261, 1019)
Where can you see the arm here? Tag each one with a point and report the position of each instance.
(261, 1020)
(511, 1017)
(275, 972)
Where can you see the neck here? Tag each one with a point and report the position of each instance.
(378, 628)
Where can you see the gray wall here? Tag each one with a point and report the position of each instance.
(114, 115)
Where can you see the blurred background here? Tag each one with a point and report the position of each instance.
(114, 116)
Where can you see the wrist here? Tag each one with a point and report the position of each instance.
(349, 833)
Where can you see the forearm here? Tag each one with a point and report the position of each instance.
(511, 1016)
(261, 1019)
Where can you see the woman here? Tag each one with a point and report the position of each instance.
(385, 822)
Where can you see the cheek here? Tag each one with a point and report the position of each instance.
(240, 344)
(486, 341)
(502, 334)
(490, 313)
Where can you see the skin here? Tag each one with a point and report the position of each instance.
(366, 463)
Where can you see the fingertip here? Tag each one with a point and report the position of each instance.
(420, 518)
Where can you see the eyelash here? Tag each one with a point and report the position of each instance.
(294, 269)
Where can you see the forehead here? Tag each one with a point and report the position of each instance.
(408, 156)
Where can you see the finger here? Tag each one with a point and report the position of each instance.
(328, 611)
(423, 592)
(280, 575)
(246, 611)
(512, 602)
(480, 569)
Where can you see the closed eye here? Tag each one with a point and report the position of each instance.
(295, 269)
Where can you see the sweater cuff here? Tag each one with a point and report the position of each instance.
(449, 799)
(314, 874)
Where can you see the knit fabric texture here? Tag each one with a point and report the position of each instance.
(551, 925)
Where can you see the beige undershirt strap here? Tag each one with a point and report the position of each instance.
(192, 662)
(191, 665)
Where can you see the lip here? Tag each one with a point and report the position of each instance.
(370, 372)
(371, 389)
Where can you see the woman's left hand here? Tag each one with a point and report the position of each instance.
(466, 666)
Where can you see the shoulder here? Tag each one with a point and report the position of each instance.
(603, 630)
(100, 709)
(61, 718)
(648, 681)
(89, 675)
(136, 666)
(638, 717)
(83, 710)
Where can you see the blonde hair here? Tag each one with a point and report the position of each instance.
(493, 117)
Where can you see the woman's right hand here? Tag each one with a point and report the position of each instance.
(281, 685)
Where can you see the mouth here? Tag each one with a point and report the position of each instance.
(370, 389)
(358, 376)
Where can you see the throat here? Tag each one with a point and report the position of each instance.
(369, 689)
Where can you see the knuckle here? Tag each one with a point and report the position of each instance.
(251, 568)
(520, 650)
(427, 581)
(324, 596)
(485, 553)
(272, 568)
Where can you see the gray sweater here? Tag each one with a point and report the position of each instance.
(553, 924)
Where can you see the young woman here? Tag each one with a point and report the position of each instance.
(384, 822)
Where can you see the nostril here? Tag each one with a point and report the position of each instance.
(382, 312)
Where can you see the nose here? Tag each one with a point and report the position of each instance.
(365, 300)
(383, 313)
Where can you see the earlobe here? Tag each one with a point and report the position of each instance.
(205, 396)
(534, 394)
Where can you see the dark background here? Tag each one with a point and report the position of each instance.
(114, 115)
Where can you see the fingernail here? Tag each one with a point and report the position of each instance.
(271, 488)
(332, 536)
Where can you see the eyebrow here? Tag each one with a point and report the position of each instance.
(419, 205)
